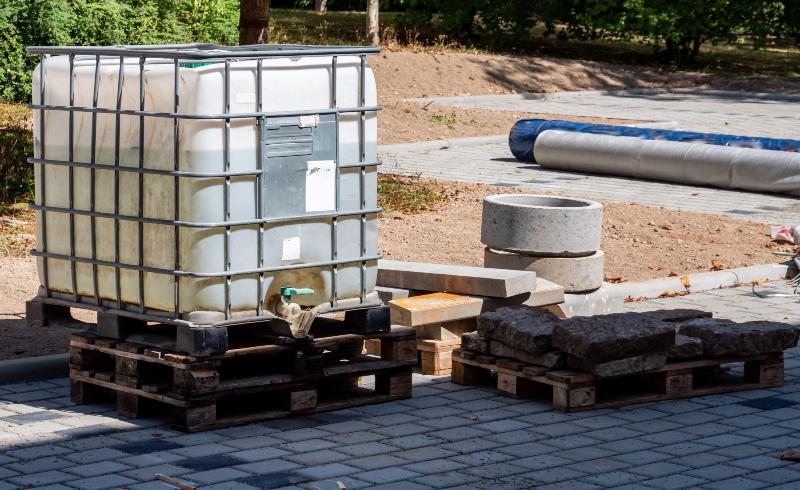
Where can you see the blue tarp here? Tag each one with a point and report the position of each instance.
(524, 133)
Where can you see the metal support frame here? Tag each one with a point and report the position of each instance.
(176, 55)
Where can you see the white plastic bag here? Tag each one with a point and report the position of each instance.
(788, 234)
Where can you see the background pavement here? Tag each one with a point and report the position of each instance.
(745, 113)
(731, 112)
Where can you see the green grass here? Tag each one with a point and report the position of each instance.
(407, 195)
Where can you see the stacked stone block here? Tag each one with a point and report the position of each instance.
(558, 238)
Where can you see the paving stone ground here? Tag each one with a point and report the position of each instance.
(492, 163)
(446, 436)
(744, 113)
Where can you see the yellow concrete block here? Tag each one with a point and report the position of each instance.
(433, 308)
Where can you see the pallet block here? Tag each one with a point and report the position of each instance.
(435, 356)
(572, 390)
(242, 385)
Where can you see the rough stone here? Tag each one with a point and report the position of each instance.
(686, 348)
(473, 342)
(605, 338)
(620, 367)
(552, 359)
(527, 329)
(726, 338)
(678, 315)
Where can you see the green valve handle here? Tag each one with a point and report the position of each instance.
(288, 292)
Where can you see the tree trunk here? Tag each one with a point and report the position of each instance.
(372, 22)
(696, 42)
(321, 6)
(253, 21)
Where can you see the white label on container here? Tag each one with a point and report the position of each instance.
(321, 186)
(291, 248)
(309, 121)
(244, 97)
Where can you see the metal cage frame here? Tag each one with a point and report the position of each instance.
(178, 55)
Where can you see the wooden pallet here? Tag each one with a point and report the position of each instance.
(578, 390)
(434, 357)
(242, 385)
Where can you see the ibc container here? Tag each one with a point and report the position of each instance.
(191, 183)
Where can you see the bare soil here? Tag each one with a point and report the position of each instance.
(640, 242)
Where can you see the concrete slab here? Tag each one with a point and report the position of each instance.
(435, 308)
(459, 279)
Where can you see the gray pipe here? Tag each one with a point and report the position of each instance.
(671, 161)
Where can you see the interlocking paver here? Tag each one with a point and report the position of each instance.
(674, 482)
(218, 475)
(377, 461)
(149, 472)
(314, 458)
(96, 469)
(738, 483)
(386, 475)
(487, 442)
(612, 478)
(259, 454)
(658, 469)
(446, 480)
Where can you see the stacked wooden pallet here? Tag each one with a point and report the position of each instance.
(573, 390)
(244, 384)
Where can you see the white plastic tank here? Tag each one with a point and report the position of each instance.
(298, 158)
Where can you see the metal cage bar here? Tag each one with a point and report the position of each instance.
(43, 176)
(140, 225)
(92, 185)
(226, 189)
(338, 172)
(117, 124)
(261, 126)
(176, 186)
(362, 155)
(176, 55)
(223, 116)
(71, 178)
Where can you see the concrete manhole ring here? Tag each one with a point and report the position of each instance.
(542, 225)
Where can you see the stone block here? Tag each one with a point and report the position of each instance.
(726, 338)
(434, 308)
(473, 342)
(620, 367)
(603, 301)
(447, 330)
(546, 293)
(552, 359)
(576, 274)
(603, 338)
(386, 294)
(367, 321)
(686, 348)
(478, 281)
(526, 328)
